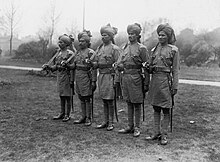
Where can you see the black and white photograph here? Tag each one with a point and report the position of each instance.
(109, 80)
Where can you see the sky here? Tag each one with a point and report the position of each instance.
(196, 14)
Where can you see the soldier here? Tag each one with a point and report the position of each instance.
(106, 55)
(164, 67)
(85, 76)
(133, 83)
(60, 62)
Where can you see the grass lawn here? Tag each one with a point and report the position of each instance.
(28, 102)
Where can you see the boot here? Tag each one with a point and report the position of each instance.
(111, 113)
(137, 109)
(88, 121)
(62, 112)
(165, 126)
(83, 116)
(66, 118)
(103, 125)
(154, 137)
(127, 130)
(68, 107)
(164, 140)
(59, 116)
(137, 132)
(106, 116)
(80, 121)
(130, 128)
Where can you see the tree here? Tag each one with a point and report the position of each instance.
(10, 21)
(201, 53)
(51, 21)
(148, 27)
(73, 29)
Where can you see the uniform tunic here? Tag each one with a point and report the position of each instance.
(107, 55)
(85, 75)
(63, 76)
(159, 92)
(132, 80)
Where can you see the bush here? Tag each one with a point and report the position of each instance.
(36, 50)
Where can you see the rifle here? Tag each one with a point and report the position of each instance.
(142, 77)
(92, 104)
(170, 82)
(72, 89)
(171, 114)
(115, 103)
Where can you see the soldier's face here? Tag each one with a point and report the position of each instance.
(82, 43)
(106, 38)
(132, 36)
(62, 44)
(162, 37)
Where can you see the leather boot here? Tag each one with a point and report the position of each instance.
(68, 107)
(103, 125)
(62, 112)
(88, 121)
(80, 121)
(164, 140)
(126, 130)
(130, 128)
(66, 118)
(59, 116)
(137, 132)
(83, 113)
(111, 115)
(106, 116)
(154, 137)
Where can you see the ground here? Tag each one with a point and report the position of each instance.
(28, 102)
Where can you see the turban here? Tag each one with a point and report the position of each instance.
(65, 38)
(111, 31)
(86, 35)
(169, 32)
(136, 28)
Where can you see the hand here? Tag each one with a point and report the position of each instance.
(120, 67)
(93, 86)
(146, 88)
(59, 67)
(116, 85)
(72, 84)
(45, 66)
(174, 92)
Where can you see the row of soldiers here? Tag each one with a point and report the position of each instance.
(155, 72)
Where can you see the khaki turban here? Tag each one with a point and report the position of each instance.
(66, 39)
(169, 32)
(86, 35)
(111, 31)
(136, 28)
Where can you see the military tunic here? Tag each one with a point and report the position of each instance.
(84, 75)
(132, 80)
(63, 76)
(165, 57)
(106, 56)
